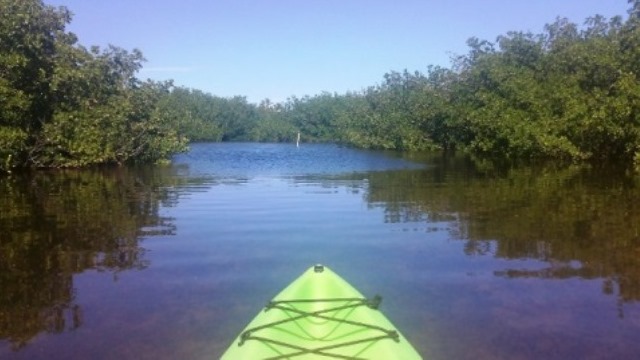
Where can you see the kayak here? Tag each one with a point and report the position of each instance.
(321, 316)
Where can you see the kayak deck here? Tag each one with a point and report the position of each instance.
(320, 316)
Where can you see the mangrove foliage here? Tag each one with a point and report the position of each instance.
(63, 105)
(571, 93)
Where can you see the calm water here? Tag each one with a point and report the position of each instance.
(172, 262)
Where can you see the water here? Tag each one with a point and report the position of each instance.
(172, 262)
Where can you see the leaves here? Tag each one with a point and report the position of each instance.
(65, 106)
(569, 93)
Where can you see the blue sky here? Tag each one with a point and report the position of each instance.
(280, 48)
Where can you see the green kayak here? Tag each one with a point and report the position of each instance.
(320, 316)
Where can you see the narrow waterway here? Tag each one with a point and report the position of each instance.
(173, 261)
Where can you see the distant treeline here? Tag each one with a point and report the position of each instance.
(570, 93)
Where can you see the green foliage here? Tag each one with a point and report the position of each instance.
(28, 32)
(11, 145)
(193, 113)
(569, 93)
(271, 125)
(62, 105)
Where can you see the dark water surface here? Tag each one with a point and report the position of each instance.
(172, 262)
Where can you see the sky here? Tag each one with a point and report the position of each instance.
(277, 49)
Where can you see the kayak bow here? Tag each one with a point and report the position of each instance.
(319, 316)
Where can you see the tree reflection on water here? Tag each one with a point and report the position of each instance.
(63, 223)
(581, 221)
(574, 222)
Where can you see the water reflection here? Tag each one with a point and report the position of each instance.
(57, 224)
(582, 222)
(224, 235)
